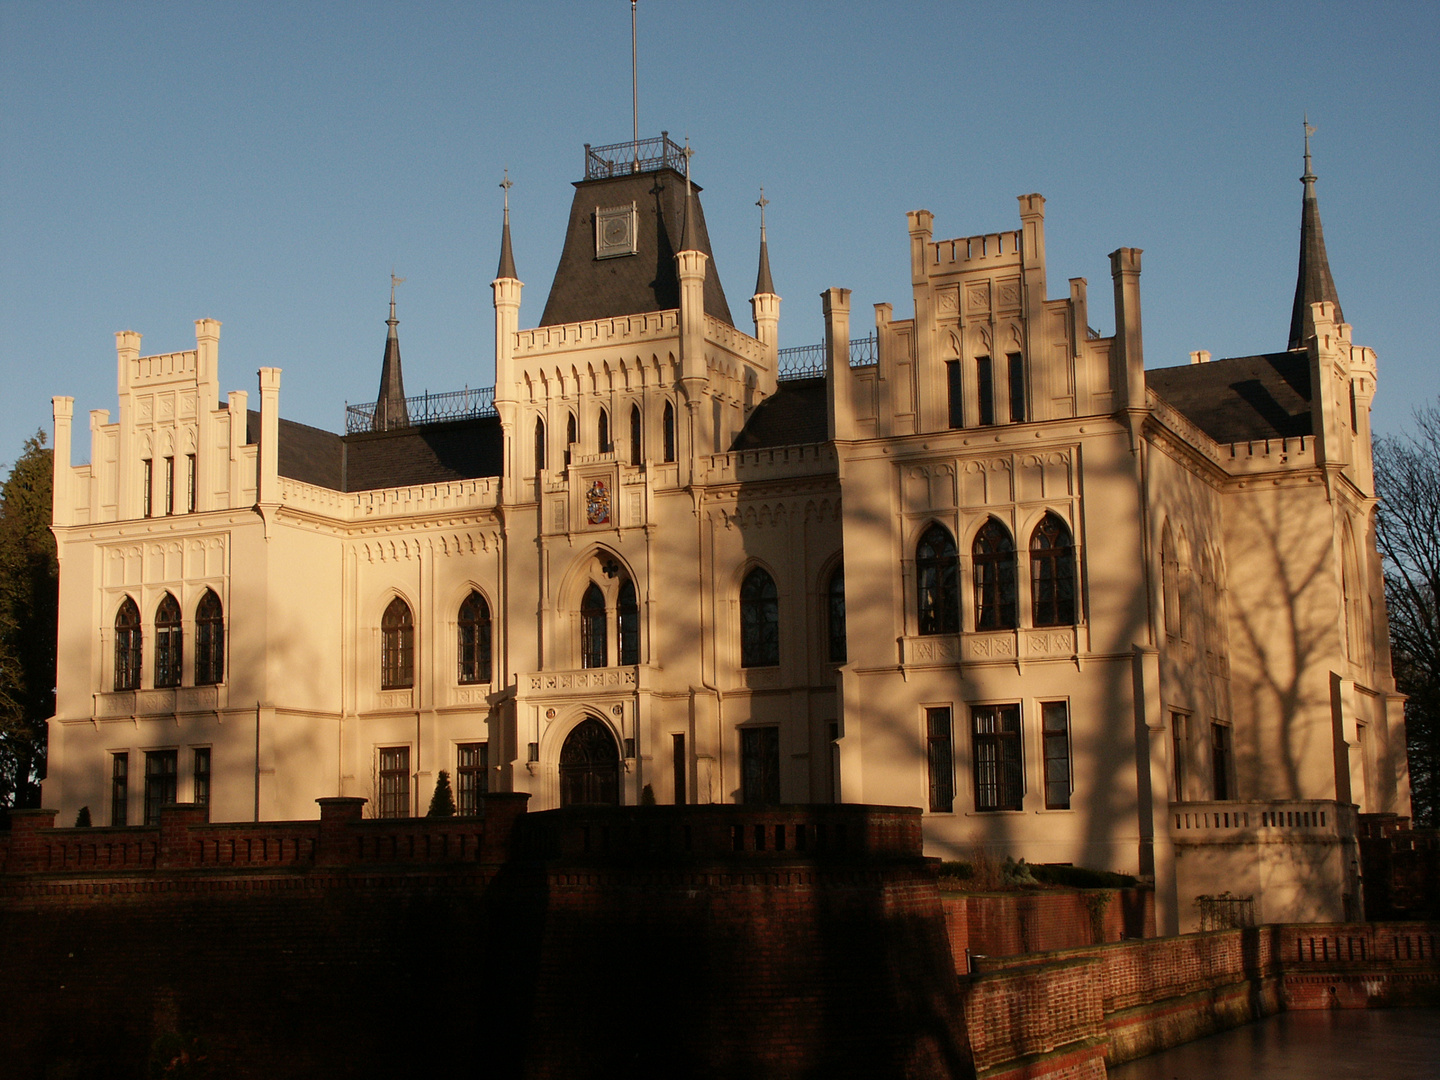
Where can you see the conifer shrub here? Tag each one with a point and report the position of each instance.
(82, 819)
(442, 803)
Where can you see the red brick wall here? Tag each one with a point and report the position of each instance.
(1009, 924)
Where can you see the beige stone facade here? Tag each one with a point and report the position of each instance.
(980, 561)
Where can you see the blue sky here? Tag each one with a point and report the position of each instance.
(267, 165)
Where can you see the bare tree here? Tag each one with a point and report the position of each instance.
(1407, 479)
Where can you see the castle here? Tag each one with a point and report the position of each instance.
(978, 560)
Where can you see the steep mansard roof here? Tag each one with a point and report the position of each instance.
(587, 288)
(428, 454)
(1241, 399)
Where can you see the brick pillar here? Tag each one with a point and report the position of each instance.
(337, 815)
(27, 845)
(502, 810)
(176, 820)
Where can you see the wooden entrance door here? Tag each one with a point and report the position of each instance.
(590, 767)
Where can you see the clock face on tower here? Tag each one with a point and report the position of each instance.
(614, 231)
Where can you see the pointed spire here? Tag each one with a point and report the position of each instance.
(1313, 283)
(507, 257)
(763, 281)
(390, 411)
(688, 239)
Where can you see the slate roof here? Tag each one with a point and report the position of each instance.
(794, 414)
(1241, 399)
(429, 454)
(588, 288)
(1313, 281)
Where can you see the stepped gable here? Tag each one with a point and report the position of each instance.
(1241, 399)
(793, 415)
(587, 288)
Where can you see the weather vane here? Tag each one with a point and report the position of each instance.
(507, 184)
(762, 202)
(393, 282)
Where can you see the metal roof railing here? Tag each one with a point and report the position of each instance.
(647, 155)
(808, 361)
(427, 408)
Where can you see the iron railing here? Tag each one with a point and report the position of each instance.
(808, 361)
(428, 408)
(647, 155)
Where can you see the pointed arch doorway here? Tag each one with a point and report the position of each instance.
(590, 766)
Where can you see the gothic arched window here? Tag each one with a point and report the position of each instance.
(627, 619)
(994, 557)
(397, 647)
(759, 620)
(937, 582)
(603, 428)
(593, 644)
(1052, 573)
(127, 646)
(473, 633)
(209, 640)
(168, 642)
(572, 436)
(634, 434)
(1170, 582)
(835, 615)
(539, 444)
(669, 431)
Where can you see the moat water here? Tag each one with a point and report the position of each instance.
(1364, 1044)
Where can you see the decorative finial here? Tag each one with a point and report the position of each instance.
(393, 282)
(762, 202)
(1309, 130)
(507, 184)
(687, 152)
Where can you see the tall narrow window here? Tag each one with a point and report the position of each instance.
(940, 754)
(603, 429)
(635, 442)
(147, 494)
(835, 615)
(160, 782)
(127, 646)
(201, 776)
(572, 436)
(678, 767)
(473, 631)
(1170, 582)
(209, 640)
(1055, 731)
(994, 557)
(1220, 754)
(759, 620)
(397, 647)
(169, 485)
(1017, 387)
(539, 444)
(668, 431)
(760, 766)
(168, 643)
(119, 787)
(191, 481)
(1177, 753)
(1052, 573)
(999, 779)
(593, 646)
(937, 582)
(627, 622)
(954, 393)
(472, 778)
(985, 388)
(394, 777)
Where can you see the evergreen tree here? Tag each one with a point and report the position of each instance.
(442, 803)
(29, 598)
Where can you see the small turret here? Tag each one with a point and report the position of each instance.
(390, 411)
(1313, 283)
(765, 304)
